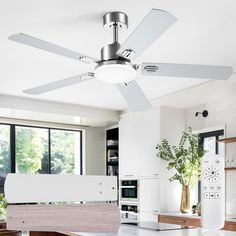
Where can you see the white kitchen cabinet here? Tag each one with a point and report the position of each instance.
(139, 135)
(148, 216)
(128, 147)
(149, 128)
(149, 198)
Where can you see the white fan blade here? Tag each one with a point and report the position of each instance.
(187, 70)
(50, 47)
(59, 188)
(59, 84)
(151, 28)
(134, 96)
(65, 217)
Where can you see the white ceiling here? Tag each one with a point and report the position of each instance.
(205, 33)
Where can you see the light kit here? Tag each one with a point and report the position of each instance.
(115, 73)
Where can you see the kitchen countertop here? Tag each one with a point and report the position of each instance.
(134, 231)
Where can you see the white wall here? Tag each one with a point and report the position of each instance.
(172, 122)
(51, 111)
(95, 151)
(220, 114)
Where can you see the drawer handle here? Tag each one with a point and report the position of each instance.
(179, 221)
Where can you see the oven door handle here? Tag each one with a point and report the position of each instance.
(128, 186)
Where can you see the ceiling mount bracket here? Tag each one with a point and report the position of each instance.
(115, 19)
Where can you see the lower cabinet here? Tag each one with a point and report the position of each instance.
(148, 216)
(190, 221)
(180, 220)
(149, 199)
(5, 232)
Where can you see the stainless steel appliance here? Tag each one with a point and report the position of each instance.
(129, 190)
(129, 212)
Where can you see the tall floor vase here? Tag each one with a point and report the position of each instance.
(185, 199)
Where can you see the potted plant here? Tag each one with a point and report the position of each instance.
(185, 159)
(3, 207)
(196, 209)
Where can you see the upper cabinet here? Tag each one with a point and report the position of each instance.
(128, 148)
(139, 134)
(150, 137)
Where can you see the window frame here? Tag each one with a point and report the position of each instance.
(13, 143)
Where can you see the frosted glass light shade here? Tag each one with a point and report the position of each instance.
(115, 73)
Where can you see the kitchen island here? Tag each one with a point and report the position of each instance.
(135, 231)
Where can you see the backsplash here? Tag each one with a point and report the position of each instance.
(221, 113)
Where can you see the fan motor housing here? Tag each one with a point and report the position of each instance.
(108, 52)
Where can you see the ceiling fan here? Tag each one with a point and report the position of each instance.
(115, 65)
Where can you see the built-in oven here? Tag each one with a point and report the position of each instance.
(129, 212)
(129, 190)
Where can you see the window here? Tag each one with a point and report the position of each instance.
(65, 152)
(42, 150)
(209, 141)
(5, 161)
(5, 156)
(31, 145)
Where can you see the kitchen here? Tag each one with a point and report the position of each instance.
(101, 125)
(160, 198)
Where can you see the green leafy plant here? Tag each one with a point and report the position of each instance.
(184, 158)
(3, 206)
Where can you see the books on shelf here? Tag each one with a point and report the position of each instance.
(112, 155)
(113, 171)
(112, 142)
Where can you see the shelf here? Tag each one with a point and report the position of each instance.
(227, 140)
(112, 163)
(112, 146)
(230, 168)
(112, 150)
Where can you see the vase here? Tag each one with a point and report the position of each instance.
(185, 199)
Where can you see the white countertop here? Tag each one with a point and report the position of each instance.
(134, 231)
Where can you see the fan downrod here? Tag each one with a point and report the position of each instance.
(113, 22)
